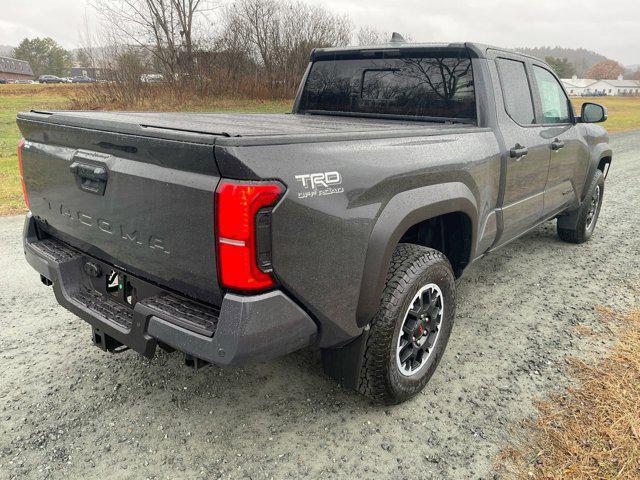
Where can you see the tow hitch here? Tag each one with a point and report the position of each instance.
(107, 343)
(194, 362)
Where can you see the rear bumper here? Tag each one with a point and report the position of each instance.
(244, 329)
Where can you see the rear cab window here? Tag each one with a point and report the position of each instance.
(516, 91)
(417, 85)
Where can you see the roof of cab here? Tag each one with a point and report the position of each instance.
(476, 50)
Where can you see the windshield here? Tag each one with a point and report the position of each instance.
(430, 87)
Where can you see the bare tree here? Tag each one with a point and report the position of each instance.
(231, 61)
(86, 52)
(280, 35)
(164, 28)
(371, 36)
(441, 75)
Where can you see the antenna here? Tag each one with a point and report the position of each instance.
(397, 38)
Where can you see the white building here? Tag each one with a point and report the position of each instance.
(578, 87)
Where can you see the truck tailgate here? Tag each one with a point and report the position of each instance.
(144, 204)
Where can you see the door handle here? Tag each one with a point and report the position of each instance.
(518, 152)
(557, 145)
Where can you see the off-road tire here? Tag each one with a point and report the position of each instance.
(584, 229)
(412, 267)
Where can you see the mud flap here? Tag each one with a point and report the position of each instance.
(344, 364)
(569, 221)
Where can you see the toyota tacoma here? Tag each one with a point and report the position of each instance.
(342, 226)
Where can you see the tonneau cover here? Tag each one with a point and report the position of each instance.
(224, 124)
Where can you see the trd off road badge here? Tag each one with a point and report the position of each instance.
(320, 184)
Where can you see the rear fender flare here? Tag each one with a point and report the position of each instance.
(397, 217)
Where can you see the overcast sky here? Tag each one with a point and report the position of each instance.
(611, 27)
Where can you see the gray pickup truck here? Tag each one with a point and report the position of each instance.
(342, 226)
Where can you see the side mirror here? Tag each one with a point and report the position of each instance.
(593, 113)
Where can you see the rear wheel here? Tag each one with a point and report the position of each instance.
(410, 330)
(587, 214)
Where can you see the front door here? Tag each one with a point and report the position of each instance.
(528, 150)
(566, 148)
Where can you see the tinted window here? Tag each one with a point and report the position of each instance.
(425, 86)
(516, 91)
(555, 104)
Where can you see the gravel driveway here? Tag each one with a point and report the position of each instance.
(68, 410)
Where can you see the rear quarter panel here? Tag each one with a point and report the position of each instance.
(321, 236)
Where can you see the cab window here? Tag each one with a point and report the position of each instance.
(515, 88)
(426, 86)
(554, 102)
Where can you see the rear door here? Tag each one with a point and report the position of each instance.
(527, 144)
(557, 118)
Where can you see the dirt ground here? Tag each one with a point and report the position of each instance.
(68, 410)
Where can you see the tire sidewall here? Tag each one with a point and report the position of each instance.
(403, 386)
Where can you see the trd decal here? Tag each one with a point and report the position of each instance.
(319, 184)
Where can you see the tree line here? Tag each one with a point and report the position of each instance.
(246, 47)
(583, 63)
(602, 70)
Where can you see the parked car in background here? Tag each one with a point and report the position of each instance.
(3, 81)
(24, 82)
(152, 78)
(82, 79)
(50, 79)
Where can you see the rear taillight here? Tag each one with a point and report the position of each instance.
(24, 186)
(240, 206)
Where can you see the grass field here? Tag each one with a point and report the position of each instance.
(11, 201)
(591, 430)
(624, 114)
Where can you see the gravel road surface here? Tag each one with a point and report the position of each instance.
(68, 410)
